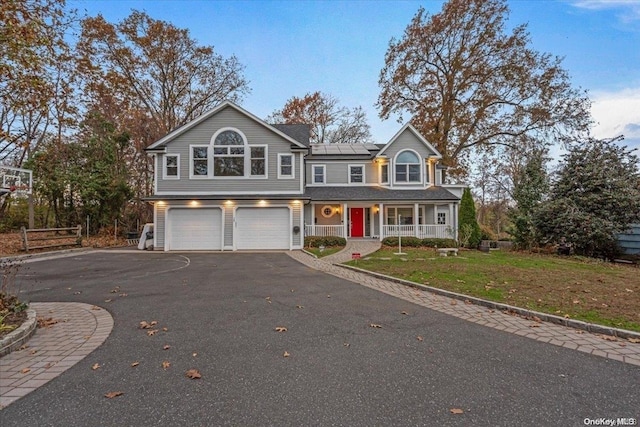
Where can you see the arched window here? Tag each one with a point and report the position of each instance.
(232, 156)
(407, 167)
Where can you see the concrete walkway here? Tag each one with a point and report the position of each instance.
(79, 329)
(599, 345)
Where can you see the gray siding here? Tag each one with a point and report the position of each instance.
(228, 227)
(296, 211)
(407, 140)
(159, 226)
(255, 133)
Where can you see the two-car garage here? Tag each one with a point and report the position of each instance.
(246, 228)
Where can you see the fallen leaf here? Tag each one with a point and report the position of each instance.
(420, 338)
(46, 322)
(134, 364)
(144, 325)
(193, 374)
(107, 300)
(346, 344)
(580, 332)
(608, 337)
(566, 316)
(113, 394)
(404, 312)
(33, 351)
(456, 411)
(328, 296)
(575, 301)
(292, 290)
(166, 364)
(95, 307)
(95, 366)
(467, 302)
(374, 325)
(286, 354)
(536, 319)
(50, 364)
(194, 354)
(628, 290)
(77, 293)
(534, 325)
(153, 323)
(299, 306)
(453, 302)
(281, 329)
(152, 332)
(25, 370)
(166, 347)
(634, 340)
(115, 290)
(124, 295)
(164, 329)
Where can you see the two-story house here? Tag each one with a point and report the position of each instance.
(229, 181)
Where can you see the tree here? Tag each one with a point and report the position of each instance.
(468, 84)
(531, 185)
(330, 122)
(469, 230)
(596, 195)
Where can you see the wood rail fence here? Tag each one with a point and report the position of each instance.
(51, 237)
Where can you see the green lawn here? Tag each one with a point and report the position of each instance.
(326, 251)
(574, 287)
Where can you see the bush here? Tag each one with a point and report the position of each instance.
(414, 242)
(469, 229)
(317, 241)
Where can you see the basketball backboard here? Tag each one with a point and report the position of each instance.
(15, 180)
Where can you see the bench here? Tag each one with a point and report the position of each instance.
(52, 237)
(447, 251)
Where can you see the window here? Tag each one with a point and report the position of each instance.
(258, 161)
(285, 165)
(318, 174)
(384, 174)
(407, 167)
(171, 164)
(327, 211)
(233, 157)
(399, 215)
(442, 218)
(356, 174)
(199, 161)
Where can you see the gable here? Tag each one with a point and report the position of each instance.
(409, 138)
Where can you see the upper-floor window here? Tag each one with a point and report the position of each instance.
(285, 165)
(384, 174)
(171, 165)
(407, 167)
(318, 172)
(356, 174)
(229, 155)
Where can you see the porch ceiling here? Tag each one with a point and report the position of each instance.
(377, 194)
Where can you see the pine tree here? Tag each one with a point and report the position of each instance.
(469, 230)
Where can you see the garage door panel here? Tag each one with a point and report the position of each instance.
(195, 229)
(262, 228)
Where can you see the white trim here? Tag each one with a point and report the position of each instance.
(165, 176)
(357, 165)
(191, 175)
(303, 173)
(225, 193)
(156, 171)
(167, 234)
(380, 181)
(420, 163)
(212, 112)
(293, 166)
(413, 130)
(324, 174)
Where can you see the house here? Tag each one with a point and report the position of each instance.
(229, 181)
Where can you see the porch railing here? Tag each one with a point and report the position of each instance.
(324, 230)
(420, 231)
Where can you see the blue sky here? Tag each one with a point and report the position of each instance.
(290, 48)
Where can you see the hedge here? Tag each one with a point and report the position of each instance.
(317, 241)
(415, 242)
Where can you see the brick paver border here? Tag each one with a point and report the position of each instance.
(79, 329)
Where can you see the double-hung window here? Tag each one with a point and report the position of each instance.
(356, 174)
(318, 172)
(199, 161)
(407, 167)
(285, 165)
(171, 165)
(384, 174)
(258, 161)
(229, 155)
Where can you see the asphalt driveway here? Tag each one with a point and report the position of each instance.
(220, 312)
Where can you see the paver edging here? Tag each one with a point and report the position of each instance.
(18, 337)
(577, 324)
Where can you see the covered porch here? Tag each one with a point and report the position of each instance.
(379, 220)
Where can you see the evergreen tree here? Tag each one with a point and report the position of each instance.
(469, 230)
(595, 197)
(531, 185)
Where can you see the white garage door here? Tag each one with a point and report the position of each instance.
(195, 229)
(262, 228)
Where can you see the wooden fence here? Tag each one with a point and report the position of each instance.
(51, 237)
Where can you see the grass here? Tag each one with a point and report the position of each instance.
(325, 252)
(578, 288)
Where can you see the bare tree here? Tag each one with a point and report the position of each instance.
(330, 122)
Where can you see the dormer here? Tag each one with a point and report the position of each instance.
(408, 161)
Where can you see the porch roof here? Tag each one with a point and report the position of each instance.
(377, 194)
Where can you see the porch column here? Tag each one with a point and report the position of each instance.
(313, 219)
(345, 221)
(435, 214)
(415, 220)
(381, 218)
(450, 220)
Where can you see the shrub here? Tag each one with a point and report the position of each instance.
(469, 227)
(414, 242)
(317, 241)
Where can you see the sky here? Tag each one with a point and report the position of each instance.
(290, 48)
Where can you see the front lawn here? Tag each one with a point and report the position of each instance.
(325, 251)
(578, 288)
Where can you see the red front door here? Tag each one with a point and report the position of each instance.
(357, 222)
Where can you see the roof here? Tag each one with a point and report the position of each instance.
(301, 132)
(378, 194)
(343, 151)
(156, 197)
(413, 130)
(226, 104)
